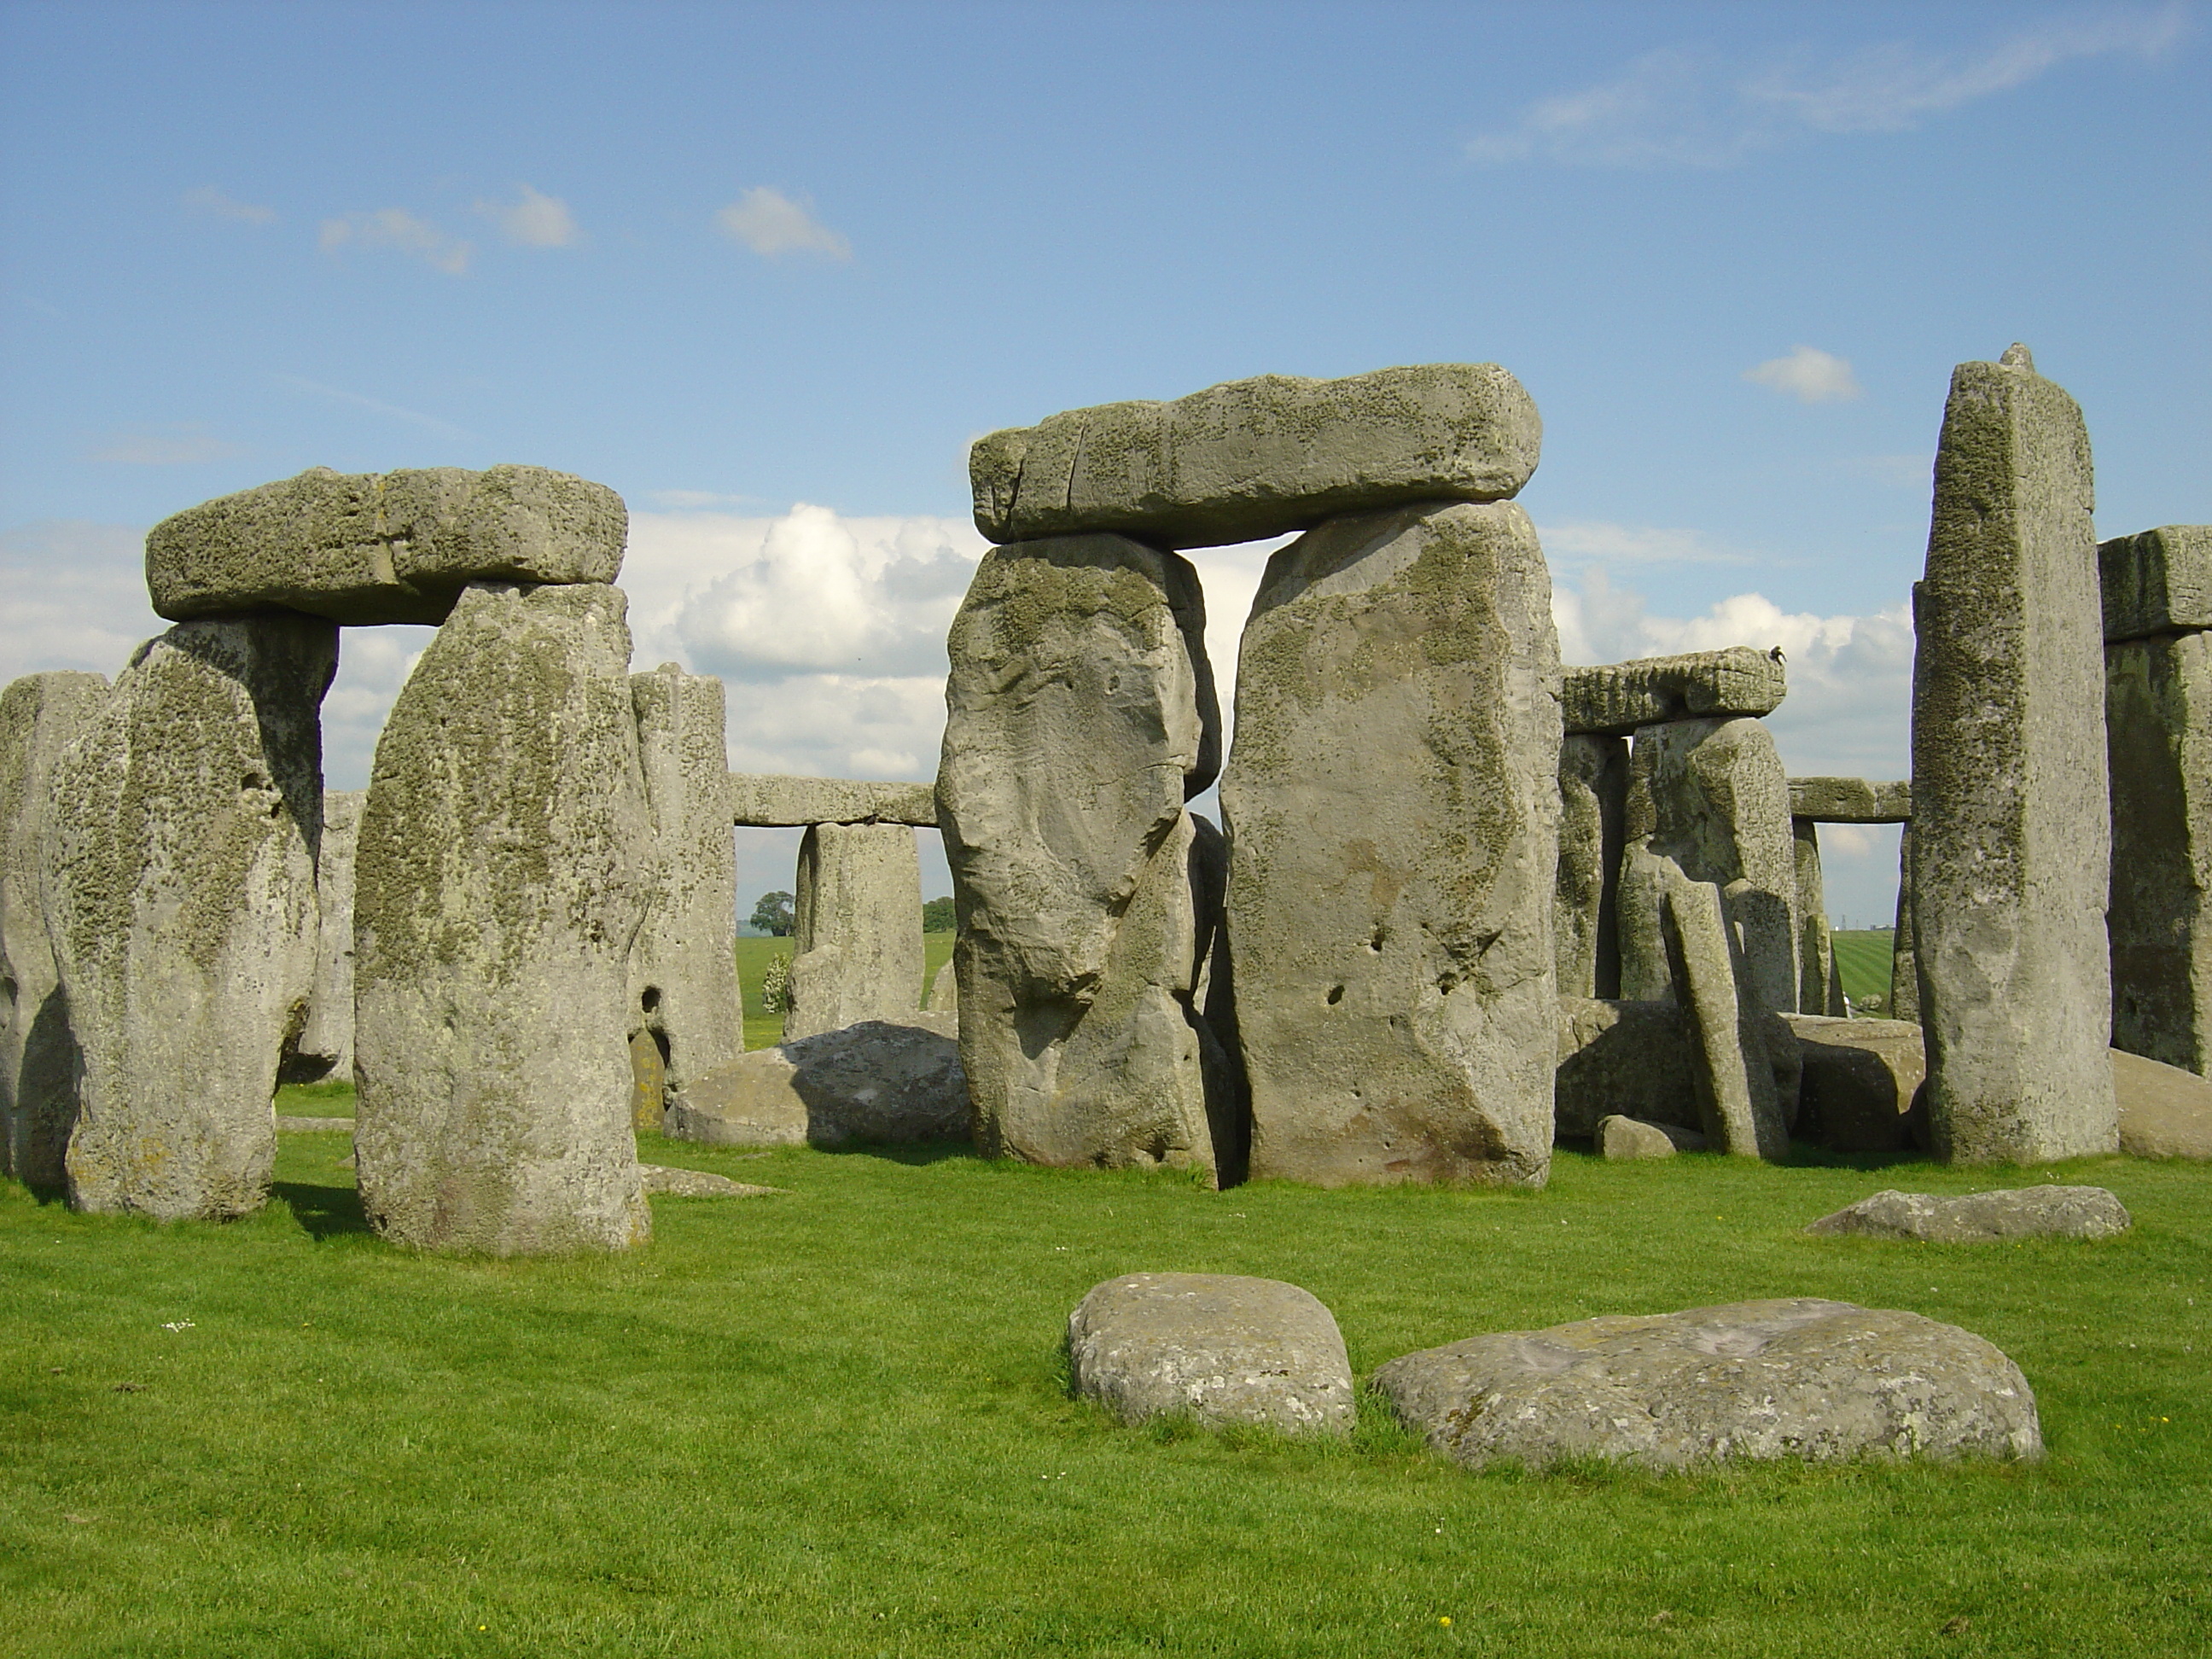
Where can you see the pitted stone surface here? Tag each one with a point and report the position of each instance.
(326, 1044)
(1585, 919)
(2159, 581)
(1218, 1347)
(1861, 1079)
(1627, 1139)
(1257, 458)
(764, 799)
(1850, 800)
(1617, 697)
(1980, 1218)
(383, 547)
(181, 897)
(857, 946)
(880, 1080)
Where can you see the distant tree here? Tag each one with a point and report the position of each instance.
(937, 917)
(774, 914)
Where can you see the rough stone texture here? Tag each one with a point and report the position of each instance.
(2158, 735)
(1978, 1218)
(41, 715)
(1393, 809)
(1631, 1058)
(683, 971)
(1627, 1139)
(765, 800)
(1257, 458)
(698, 1183)
(1742, 1109)
(1618, 698)
(1080, 716)
(1816, 960)
(1218, 1347)
(944, 996)
(2165, 1112)
(2010, 812)
(1862, 1079)
(2156, 582)
(1823, 1381)
(857, 946)
(876, 1081)
(1585, 922)
(1850, 800)
(497, 897)
(325, 1047)
(390, 547)
(180, 892)
(1903, 957)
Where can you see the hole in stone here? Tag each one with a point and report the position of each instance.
(1335, 995)
(1376, 943)
(651, 1000)
(253, 781)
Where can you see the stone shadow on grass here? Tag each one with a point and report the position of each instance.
(322, 1211)
(913, 1152)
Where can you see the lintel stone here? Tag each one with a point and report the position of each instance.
(1850, 800)
(763, 800)
(1617, 698)
(2157, 582)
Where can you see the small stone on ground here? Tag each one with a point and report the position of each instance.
(2012, 1213)
(698, 1183)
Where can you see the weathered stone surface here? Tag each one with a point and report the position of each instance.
(1080, 716)
(325, 1048)
(2158, 736)
(765, 800)
(388, 547)
(1903, 957)
(1850, 800)
(1257, 458)
(1627, 1139)
(181, 895)
(1392, 809)
(683, 971)
(1823, 1381)
(699, 1183)
(1631, 1058)
(1617, 698)
(1742, 1110)
(1218, 1347)
(877, 1081)
(1585, 922)
(2156, 582)
(944, 996)
(2010, 814)
(41, 715)
(1862, 1079)
(497, 897)
(2165, 1112)
(1978, 1218)
(1816, 958)
(858, 943)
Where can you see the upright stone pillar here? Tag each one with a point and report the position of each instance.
(41, 715)
(181, 900)
(1392, 807)
(1903, 957)
(2011, 816)
(497, 897)
(1586, 923)
(857, 945)
(1815, 951)
(326, 1045)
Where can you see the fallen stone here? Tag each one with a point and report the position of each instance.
(1978, 1218)
(1737, 1099)
(1861, 1085)
(2011, 820)
(1216, 1347)
(392, 547)
(180, 892)
(1257, 458)
(2165, 1112)
(877, 1081)
(767, 801)
(1634, 1058)
(1804, 1378)
(1850, 800)
(1623, 1139)
(2159, 581)
(497, 900)
(698, 1183)
(1393, 812)
(287, 1124)
(857, 945)
(1617, 698)
(325, 1048)
(1586, 925)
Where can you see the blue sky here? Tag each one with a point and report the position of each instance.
(766, 271)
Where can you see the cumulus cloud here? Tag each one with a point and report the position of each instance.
(535, 220)
(771, 224)
(72, 595)
(374, 664)
(401, 231)
(187, 444)
(212, 203)
(1808, 375)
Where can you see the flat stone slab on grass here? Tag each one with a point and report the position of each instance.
(1218, 1347)
(874, 1081)
(699, 1183)
(1807, 1378)
(1978, 1218)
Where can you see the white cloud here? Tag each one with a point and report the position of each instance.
(374, 663)
(770, 223)
(398, 229)
(72, 595)
(535, 220)
(213, 203)
(1808, 375)
(1681, 108)
(187, 444)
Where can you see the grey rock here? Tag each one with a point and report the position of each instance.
(1862, 1082)
(2010, 812)
(1257, 458)
(1742, 1109)
(1816, 957)
(858, 942)
(1585, 920)
(2157, 582)
(181, 897)
(1080, 716)
(1617, 698)
(765, 800)
(389, 547)
(1635, 1059)
(699, 1183)
(877, 1081)
(1903, 957)
(1850, 800)
(1392, 809)
(2165, 1112)
(1216, 1348)
(325, 1048)
(944, 996)
(41, 715)
(1802, 1378)
(1980, 1218)
(1627, 1139)
(497, 897)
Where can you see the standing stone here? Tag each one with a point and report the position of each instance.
(1392, 807)
(1816, 960)
(1593, 795)
(41, 715)
(1080, 716)
(2011, 815)
(683, 973)
(944, 996)
(1737, 1099)
(181, 897)
(326, 1045)
(858, 938)
(497, 899)
(1904, 958)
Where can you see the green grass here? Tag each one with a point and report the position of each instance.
(1864, 957)
(764, 1029)
(835, 1423)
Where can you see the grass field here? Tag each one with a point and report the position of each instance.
(763, 1029)
(835, 1423)
(1864, 957)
